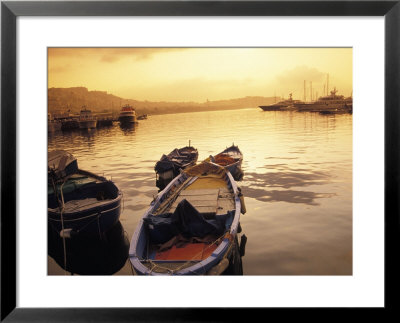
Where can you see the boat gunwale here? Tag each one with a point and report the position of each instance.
(55, 212)
(204, 265)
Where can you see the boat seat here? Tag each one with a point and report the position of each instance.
(80, 205)
(214, 201)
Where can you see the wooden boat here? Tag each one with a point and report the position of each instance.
(79, 201)
(191, 226)
(169, 166)
(231, 159)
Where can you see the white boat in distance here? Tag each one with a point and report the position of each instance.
(330, 102)
(281, 105)
(127, 115)
(86, 119)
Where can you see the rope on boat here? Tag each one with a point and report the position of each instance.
(98, 225)
(173, 271)
(62, 227)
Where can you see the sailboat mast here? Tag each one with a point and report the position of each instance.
(327, 84)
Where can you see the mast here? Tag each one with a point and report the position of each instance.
(327, 84)
(311, 97)
(304, 90)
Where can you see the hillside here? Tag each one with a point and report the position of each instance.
(72, 99)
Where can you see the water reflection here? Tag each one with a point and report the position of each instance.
(235, 260)
(128, 129)
(257, 183)
(103, 255)
(297, 183)
(289, 196)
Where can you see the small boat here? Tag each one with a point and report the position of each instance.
(282, 105)
(142, 117)
(169, 166)
(79, 201)
(231, 159)
(191, 226)
(52, 124)
(127, 115)
(86, 119)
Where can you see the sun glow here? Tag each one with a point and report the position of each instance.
(198, 74)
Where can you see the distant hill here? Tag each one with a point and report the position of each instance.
(72, 99)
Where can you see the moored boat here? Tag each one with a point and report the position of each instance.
(127, 115)
(86, 119)
(231, 159)
(79, 202)
(329, 104)
(169, 166)
(281, 105)
(191, 226)
(53, 124)
(142, 117)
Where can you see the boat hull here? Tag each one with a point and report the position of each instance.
(54, 126)
(169, 166)
(235, 167)
(92, 204)
(273, 107)
(183, 267)
(87, 124)
(93, 221)
(69, 125)
(236, 170)
(127, 119)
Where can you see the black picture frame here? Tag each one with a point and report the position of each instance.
(10, 10)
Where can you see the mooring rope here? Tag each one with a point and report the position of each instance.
(62, 227)
(173, 271)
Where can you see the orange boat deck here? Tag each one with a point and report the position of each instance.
(188, 252)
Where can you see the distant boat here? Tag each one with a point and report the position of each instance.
(191, 226)
(282, 105)
(169, 166)
(127, 115)
(79, 202)
(52, 124)
(331, 103)
(142, 117)
(86, 119)
(231, 159)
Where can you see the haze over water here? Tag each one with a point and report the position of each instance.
(297, 179)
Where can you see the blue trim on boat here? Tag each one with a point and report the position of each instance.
(138, 241)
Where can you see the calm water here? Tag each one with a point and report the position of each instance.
(297, 183)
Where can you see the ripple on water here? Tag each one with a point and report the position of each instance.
(297, 184)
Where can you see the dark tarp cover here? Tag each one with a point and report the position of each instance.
(176, 159)
(187, 221)
(61, 164)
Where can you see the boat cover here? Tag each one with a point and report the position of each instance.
(186, 221)
(176, 159)
(73, 183)
(61, 164)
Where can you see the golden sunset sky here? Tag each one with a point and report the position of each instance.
(198, 74)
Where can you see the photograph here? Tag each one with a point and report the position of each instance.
(171, 161)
